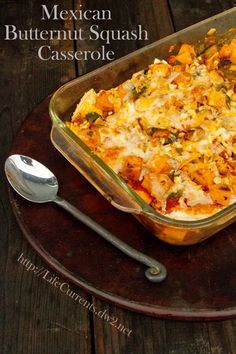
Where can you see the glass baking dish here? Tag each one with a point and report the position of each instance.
(106, 181)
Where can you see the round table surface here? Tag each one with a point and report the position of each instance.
(201, 282)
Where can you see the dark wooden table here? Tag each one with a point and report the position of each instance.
(34, 316)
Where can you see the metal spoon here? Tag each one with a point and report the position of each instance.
(37, 183)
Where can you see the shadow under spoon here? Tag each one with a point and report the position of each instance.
(36, 183)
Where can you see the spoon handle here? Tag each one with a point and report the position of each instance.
(156, 271)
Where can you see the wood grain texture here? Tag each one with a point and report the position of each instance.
(151, 335)
(34, 317)
(186, 13)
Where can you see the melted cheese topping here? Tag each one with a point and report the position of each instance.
(169, 132)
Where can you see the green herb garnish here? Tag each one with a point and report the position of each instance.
(177, 62)
(92, 116)
(152, 130)
(197, 73)
(179, 150)
(136, 94)
(90, 133)
(218, 87)
(171, 138)
(228, 101)
(177, 194)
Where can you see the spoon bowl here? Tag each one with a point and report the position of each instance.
(36, 183)
(32, 180)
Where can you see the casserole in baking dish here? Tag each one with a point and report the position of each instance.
(174, 187)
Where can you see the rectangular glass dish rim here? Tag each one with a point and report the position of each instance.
(146, 209)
